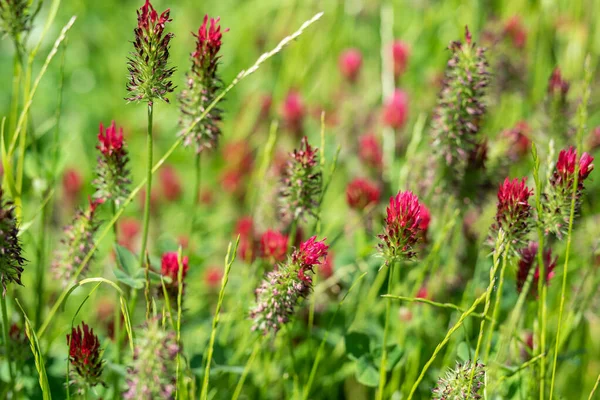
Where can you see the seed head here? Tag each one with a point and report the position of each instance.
(11, 259)
(455, 385)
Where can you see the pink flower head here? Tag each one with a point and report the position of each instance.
(209, 42)
(369, 151)
(170, 266)
(72, 184)
(111, 140)
(361, 193)
(310, 254)
(395, 110)
(528, 260)
(170, 184)
(557, 84)
(400, 54)
(273, 245)
(515, 30)
(350, 63)
(293, 112)
(402, 227)
(213, 276)
(85, 354)
(565, 166)
(513, 210)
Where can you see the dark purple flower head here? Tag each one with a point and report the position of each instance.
(85, 356)
(403, 228)
(529, 259)
(513, 212)
(112, 175)
(148, 71)
(11, 259)
(556, 84)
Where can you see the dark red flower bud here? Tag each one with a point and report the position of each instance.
(513, 211)
(515, 30)
(395, 110)
(350, 63)
(557, 85)
(361, 193)
(85, 355)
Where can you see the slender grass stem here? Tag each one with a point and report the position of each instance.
(6, 338)
(149, 151)
(240, 385)
(116, 321)
(441, 345)
(388, 304)
(179, 313)
(594, 388)
(196, 193)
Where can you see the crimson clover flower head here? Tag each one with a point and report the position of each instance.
(273, 245)
(153, 373)
(300, 189)
(77, 243)
(557, 207)
(11, 258)
(149, 74)
(403, 229)
(513, 212)
(456, 383)
(557, 85)
(350, 63)
(370, 152)
(461, 109)
(361, 193)
(395, 110)
(400, 54)
(169, 266)
(85, 356)
(280, 292)
(515, 30)
(528, 260)
(202, 88)
(112, 173)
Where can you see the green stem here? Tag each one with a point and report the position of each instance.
(382, 372)
(196, 193)
(22, 146)
(41, 266)
(594, 388)
(496, 304)
(116, 322)
(240, 385)
(6, 340)
(148, 187)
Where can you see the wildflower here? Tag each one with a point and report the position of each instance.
(557, 207)
(513, 211)
(361, 193)
(293, 112)
(128, 230)
(527, 261)
(459, 114)
(11, 259)
(77, 243)
(350, 63)
(153, 374)
(72, 184)
(169, 267)
(170, 184)
(395, 110)
(301, 183)
(213, 276)
(279, 294)
(457, 382)
(402, 227)
(519, 142)
(370, 152)
(148, 71)
(273, 245)
(514, 29)
(16, 17)
(202, 86)
(400, 53)
(85, 356)
(247, 246)
(112, 181)
(557, 85)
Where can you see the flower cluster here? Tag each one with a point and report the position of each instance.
(11, 258)
(16, 16)
(77, 243)
(153, 373)
(169, 267)
(273, 246)
(460, 110)
(85, 356)
(557, 207)
(361, 193)
(301, 184)
(202, 87)
(403, 227)
(513, 212)
(457, 382)
(112, 181)
(280, 292)
(529, 259)
(148, 71)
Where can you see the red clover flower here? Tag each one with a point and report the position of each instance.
(513, 213)
(85, 356)
(361, 193)
(112, 176)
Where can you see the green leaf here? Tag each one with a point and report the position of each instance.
(130, 281)
(366, 371)
(127, 260)
(357, 344)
